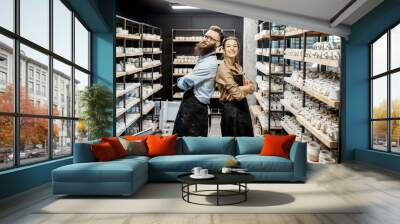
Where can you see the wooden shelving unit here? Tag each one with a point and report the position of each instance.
(130, 121)
(322, 98)
(130, 116)
(317, 133)
(185, 41)
(315, 94)
(327, 62)
(133, 71)
(268, 36)
(302, 40)
(154, 52)
(301, 32)
(184, 63)
(295, 84)
(267, 40)
(286, 127)
(289, 107)
(294, 58)
(119, 36)
(129, 88)
(147, 110)
(128, 55)
(182, 47)
(120, 74)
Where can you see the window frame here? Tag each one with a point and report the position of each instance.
(16, 114)
(388, 74)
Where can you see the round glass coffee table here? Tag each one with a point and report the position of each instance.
(238, 179)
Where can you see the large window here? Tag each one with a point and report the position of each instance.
(385, 91)
(40, 80)
(7, 14)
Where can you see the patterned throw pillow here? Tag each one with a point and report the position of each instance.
(134, 147)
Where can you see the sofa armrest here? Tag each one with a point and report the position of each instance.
(83, 152)
(298, 155)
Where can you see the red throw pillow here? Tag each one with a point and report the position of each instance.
(277, 145)
(103, 152)
(161, 145)
(142, 138)
(116, 145)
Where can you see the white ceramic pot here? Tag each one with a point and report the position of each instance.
(119, 68)
(327, 161)
(306, 139)
(313, 151)
(325, 155)
(334, 94)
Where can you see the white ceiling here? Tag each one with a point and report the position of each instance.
(315, 15)
(324, 9)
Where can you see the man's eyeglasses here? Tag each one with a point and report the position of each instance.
(208, 38)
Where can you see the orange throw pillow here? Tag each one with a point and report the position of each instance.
(103, 152)
(277, 145)
(161, 145)
(116, 145)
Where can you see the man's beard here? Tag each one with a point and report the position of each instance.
(202, 49)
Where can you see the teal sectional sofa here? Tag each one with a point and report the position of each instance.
(125, 176)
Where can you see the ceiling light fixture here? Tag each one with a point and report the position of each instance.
(182, 7)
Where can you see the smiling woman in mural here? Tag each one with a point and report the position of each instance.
(234, 87)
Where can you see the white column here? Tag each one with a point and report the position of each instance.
(249, 52)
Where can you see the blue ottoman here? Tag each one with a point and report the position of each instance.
(119, 177)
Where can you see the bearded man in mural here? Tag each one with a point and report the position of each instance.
(192, 117)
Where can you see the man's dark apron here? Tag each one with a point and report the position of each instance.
(236, 119)
(192, 117)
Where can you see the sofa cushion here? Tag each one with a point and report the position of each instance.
(207, 145)
(249, 145)
(257, 163)
(132, 160)
(83, 152)
(185, 163)
(112, 171)
(134, 157)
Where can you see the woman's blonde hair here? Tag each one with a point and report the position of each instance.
(237, 42)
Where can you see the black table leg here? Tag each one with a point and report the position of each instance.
(217, 194)
(242, 191)
(245, 193)
(182, 190)
(188, 190)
